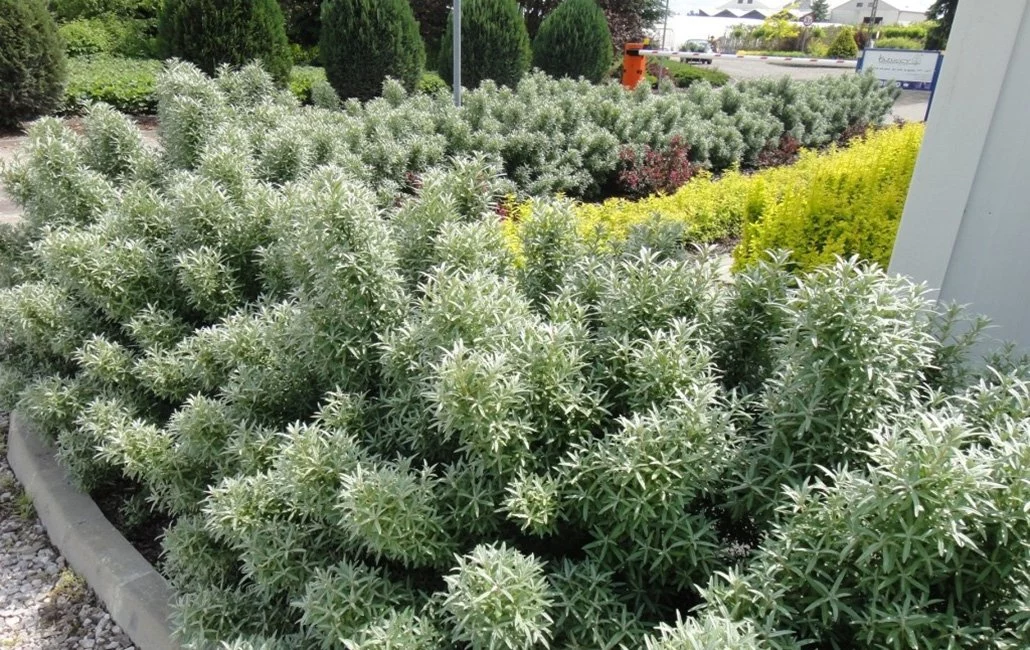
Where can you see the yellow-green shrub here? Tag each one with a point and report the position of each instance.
(847, 202)
(843, 201)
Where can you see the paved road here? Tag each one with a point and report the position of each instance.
(9, 212)
(911, 105)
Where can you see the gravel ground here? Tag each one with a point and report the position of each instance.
(43, 604)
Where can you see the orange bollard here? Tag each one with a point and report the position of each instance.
(634, 65)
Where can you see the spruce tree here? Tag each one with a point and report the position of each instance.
(574, 41)
(212, 32)
(366, 41)
(32, 64)
(494, 44)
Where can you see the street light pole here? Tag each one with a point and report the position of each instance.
(665, 26)
(457, 53)
(872, 18)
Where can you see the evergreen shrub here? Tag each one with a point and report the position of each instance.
(494, 44)
(365, 41)
(574, 41)
(374, 423)
(32, 63)
(211, 33)
(844, 45)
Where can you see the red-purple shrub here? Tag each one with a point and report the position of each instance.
(784, 153)
(644, 171)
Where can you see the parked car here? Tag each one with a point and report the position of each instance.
(693, 47)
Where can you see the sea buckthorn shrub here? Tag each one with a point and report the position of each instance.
(373, 424)
(842, 201)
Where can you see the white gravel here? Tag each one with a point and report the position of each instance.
(43, 604)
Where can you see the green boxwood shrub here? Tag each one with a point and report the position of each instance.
(32, 62)
(211, 33)
(494, 44)
(574, 41)
(128, 85)
(302, 78)
(431, 83)
(366, 41)
(377, 422)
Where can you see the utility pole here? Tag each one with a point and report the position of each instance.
(872, 19)
(665, 26)
(457, 52)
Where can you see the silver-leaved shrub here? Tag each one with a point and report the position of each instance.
(374, 420)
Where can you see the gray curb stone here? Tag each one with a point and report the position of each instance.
(137, 596)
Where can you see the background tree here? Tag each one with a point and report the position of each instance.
(303, 21)
(366, 41)
(32, 64)
(494, 44)
(820, 10)
(627, 19)
(941, 12)
(574, 41)
(432, 18)
(212, 32)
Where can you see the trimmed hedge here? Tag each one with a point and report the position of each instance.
(898, 43)
(32, 62)
(375, 428)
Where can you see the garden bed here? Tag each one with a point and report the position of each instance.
(136, 596)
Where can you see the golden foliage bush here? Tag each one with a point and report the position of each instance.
(842, 201)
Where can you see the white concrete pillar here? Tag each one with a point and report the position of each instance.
(966, 225)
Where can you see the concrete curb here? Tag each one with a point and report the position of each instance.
(137, 596)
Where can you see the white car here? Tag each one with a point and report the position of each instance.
(693, 47)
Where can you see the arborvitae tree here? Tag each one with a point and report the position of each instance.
(212, 32)
(574, 41)
(366, 41)
(494, 44)
(844, 46)
(32, 66)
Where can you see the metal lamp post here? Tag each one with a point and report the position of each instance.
(457, 53)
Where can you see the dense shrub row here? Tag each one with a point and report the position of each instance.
(553, 135)
(375, 427)
(842, 202)
(847, 203)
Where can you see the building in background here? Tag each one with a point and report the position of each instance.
(888, 12)
(845, 12)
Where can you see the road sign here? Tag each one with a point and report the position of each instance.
(807, 20)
